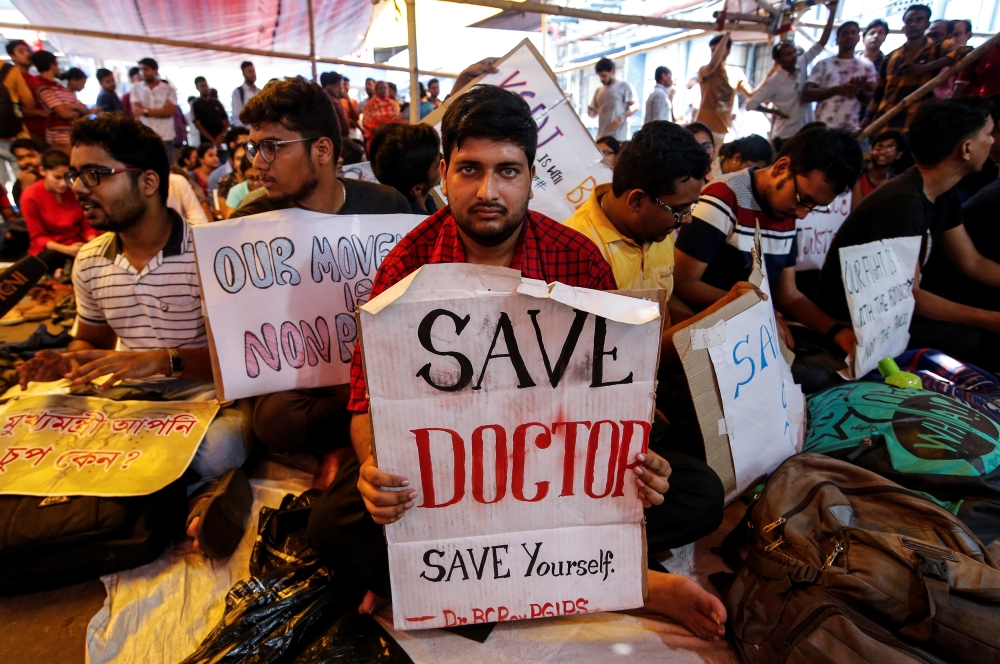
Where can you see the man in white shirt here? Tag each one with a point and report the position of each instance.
(835, 83)
(245, 92)
(153, 103)
(613, 103)
(658, 104)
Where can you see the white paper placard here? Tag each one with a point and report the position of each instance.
(515, 417)
(360, 171)
(878, 282)
(568, 164)
(816, 231)
(280, 290)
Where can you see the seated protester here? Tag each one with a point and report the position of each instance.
(949, 138)
(489, 140)
(208, 161)
(295, 144)
(713, 252)
(187, 161)
(610, 147)
(408, 158)
(752, 151)
(137, 286)
(234, 136)
(706, 139)
(251, 181)
(55, 221)
(887, 149)
(29, 161)
(227, 182)
(184, 200)
(971, 184)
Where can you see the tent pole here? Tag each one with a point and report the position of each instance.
(545, 36)
(312, 39)
(411, 44)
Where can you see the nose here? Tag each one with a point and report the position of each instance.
(801, 214)
(79, 187)
(487, 187)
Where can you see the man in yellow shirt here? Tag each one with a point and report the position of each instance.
(21, 100)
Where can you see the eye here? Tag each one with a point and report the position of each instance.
(467, 170)
(509, 172)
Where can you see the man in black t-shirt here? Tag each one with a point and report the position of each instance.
(948, 139)
(210, 117)
(295, 143)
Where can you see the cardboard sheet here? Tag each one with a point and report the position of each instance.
(815, 233)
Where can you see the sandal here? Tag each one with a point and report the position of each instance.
(223, 506)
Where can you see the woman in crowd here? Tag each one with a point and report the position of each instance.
(743, 153)
(250, 177)
(610, 147)
(208, 161)
(227, 182)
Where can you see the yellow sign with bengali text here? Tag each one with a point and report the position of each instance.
(57, 445)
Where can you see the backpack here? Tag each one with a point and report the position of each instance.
(11, 122)
(845, 566)
(925, 441)
(55, 541)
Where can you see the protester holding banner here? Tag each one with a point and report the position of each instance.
(948, 139)
(489, 140)
(137, 285)
(407, 158)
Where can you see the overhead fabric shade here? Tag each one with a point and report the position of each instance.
(271, 25)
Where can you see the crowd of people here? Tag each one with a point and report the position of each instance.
(679, 214)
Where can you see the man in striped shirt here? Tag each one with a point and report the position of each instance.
(137, 287)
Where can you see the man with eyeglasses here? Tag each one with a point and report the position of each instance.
(137, 288)
(713, 252)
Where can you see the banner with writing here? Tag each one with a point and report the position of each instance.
(568, 164)
(878, 282)
(516, 410)
(58, 445)
(280, 291)
(816, 231)
(360, 171)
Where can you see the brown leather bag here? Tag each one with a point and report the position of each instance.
(846, 566)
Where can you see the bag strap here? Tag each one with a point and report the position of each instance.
(5, 71)
(794, 575)
(933, 572)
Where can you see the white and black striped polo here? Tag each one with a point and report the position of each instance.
(159, 307)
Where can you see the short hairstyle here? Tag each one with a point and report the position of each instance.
(199, 79)
(300, 106)
(369, 79)
(488, 111)
(750, 148)
(845, 24)
(73, 74)
(149, 62)
(891, 135)
(611, 142)
(43, 61)
(995, 107)
(948, 24)
(659, 154)
(392, 86)
(940, 125)
(11, 45)
(329, 78)
(604, 64)
(103, 74)
(661, 71)
(204, 148)
(353, 152)
(23, 144)
(967, 22)
(133, 71)
(184, 152)
(717, 38)
(234, 133)
(812, 125)
(402, 155)
(918, 8)
(54, 159)
(700, 128)
(776, 49)
(432, 81)
(877, 23)
(128, 141)
(833, 152)
(245, 64)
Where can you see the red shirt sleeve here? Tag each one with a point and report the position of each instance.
(32, 213)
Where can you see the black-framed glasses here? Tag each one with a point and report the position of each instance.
(681, 215)
(708, 147)
(268, 148)
(808, 207)
(92, 176)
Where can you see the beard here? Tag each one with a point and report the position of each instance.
(494, 232)
(305, 190)
(118, 215)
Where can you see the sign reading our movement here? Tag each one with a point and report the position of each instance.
(516, 410)
(280, 292)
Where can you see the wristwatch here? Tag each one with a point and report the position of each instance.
(176, 363)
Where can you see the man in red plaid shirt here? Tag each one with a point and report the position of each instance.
(379, 110)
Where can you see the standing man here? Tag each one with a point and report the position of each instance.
(246, 91)
(13, 128)
(433, 90)
(613, 103)
(34, 113)
(379, 110)
(875, 35)
(370, 91)
(659, 105)
(134, 76)
(153, 103)
(719, 85)
(59, 100)
(107, 98)
(836, 83)
(210, 117)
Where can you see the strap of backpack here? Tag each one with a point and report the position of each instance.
(794, 575)
(5, 71)
(933, 572)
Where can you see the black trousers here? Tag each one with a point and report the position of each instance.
(311, 421)
(347, 538)
(968, 344)
(53, 259)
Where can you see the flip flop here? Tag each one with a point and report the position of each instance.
(223, 506)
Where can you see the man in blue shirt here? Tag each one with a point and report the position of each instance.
(107, 98)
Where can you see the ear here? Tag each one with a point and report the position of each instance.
(965, 151)
(324, 151)
(781, 167)
(635, 200)
(149, 183)
(443, 169)
(418, 190)
(531, 187)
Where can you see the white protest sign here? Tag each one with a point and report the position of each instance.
(816, 231)
(515, 409)
(878, 282)
(568, 164)
(360, 171)
(280, 291)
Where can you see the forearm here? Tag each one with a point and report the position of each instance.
(934, 307)
(51, 245)
(984, 271)
(802, 310)
(80, 344)
(816, 94)
(698, 294)
(165, 112)
(361, 436)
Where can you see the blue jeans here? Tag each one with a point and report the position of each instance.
(170, 151)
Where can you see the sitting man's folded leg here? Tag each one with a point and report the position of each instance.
(312, 421)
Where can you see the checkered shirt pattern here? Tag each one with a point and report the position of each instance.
(894, 86)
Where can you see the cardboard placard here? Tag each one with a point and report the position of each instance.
(878, 282)
(515, 409)
(568, 164)
(280, 292)
(58, 445)
(814, 233)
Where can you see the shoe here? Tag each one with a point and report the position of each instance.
(224, 506)
(44, 307)
(12, 317)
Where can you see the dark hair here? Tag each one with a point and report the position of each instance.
(203, 149)
(392, 86)
(877, 23)
(245, 162)
(54, 159)
(433, 80)
(133, 71)
(815, 124)
(968, 24)
(700, 128)
(103, 74)
(660, 71)
(234, 132)
(43, 61)
(149, 62)
(750, 148)
(995, 110)
(73, 74)
(891, 135)
(940, 125)
(604, 64)
(845, 24)
(329, 78)
(184, 152)
(354, 152)
(488, 111)
(245, 64)
(833, 152)
(23, 144)
(300, 106)
(401, 155)
(371, 79)
(776, 49)
(611, 142)
(919, 8)
(11, 45)
(128, 141)
(717, 38)
(659, 154)
(199, 79)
